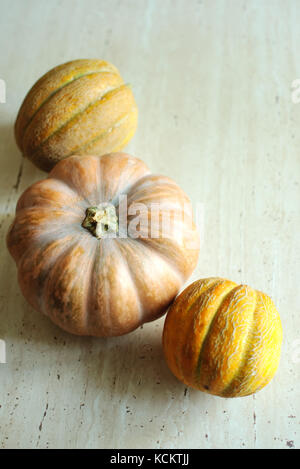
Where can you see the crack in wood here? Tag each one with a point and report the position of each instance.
(42, 421)
(19, 176)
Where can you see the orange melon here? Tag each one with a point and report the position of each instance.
(81, 107)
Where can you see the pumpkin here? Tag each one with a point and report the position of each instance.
(222, 338)
(80, 107)
(93, 249)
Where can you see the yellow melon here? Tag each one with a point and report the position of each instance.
(223, 338)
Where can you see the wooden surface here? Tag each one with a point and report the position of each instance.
(213, 83)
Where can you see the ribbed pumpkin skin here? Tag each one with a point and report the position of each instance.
(81, 107)
(100, 287)
(223, 338)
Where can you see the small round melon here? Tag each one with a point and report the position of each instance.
(223, 338)
(80, 107)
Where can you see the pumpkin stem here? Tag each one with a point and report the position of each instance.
(101, 220)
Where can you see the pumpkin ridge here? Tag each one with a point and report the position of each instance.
(88, 289)
(50, 96)
(26, 222)
(46, 308)
(138, 278)
(131, 276)
(23, 204)
(106, 316)
(164, 257)
(73, 216)
(76, 116)
(39, 300)
(67, 209)
(125, 190)
(46, 246)
(162, 182)
(209, 329)
(149, 198)
(70, 185)
(91, 290)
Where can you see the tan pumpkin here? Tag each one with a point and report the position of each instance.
(80, 107)
(80, 264)
(223, 338)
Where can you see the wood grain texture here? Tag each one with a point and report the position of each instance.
(212, 81)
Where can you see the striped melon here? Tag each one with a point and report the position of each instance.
(223, 338)
(81, 107)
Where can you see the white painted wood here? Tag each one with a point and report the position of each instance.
(213, 82)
